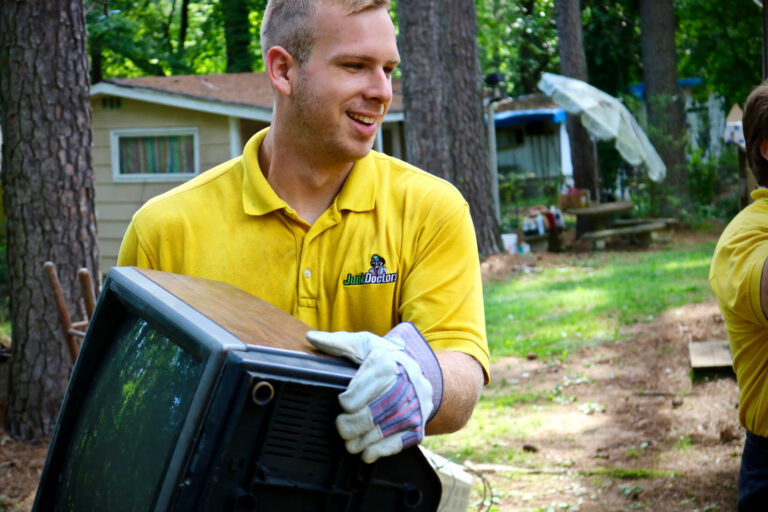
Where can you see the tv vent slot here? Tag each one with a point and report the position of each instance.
(302, 429)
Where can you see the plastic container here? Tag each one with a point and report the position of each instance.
(510, 242)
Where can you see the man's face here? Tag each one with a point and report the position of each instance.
(345, 88)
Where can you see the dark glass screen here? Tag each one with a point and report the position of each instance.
(129, 422)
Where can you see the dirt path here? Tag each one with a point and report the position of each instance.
(629, 409)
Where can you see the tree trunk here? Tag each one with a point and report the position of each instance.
(664, 104)
(183, 24)
(442, 100)
(463, 108)
(425, 124)
(237, 35)
(573, 63)
(48, 195)
(96, 63)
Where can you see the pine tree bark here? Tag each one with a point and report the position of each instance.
(48, 195)
(664, 104)
(463, 108)
(573, 63)
(425, 125)
(442, 98)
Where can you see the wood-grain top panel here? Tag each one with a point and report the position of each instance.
(247, 317)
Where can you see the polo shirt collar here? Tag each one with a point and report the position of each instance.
(359, 189)
(258, 196)
(357, 194)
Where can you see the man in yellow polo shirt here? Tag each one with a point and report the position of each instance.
(739, 277)
(377, 255)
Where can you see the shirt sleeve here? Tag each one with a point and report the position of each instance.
(736, 270)
(442, 293)
(131, 252)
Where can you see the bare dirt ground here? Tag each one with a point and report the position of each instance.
(630, 409)
(636, 429)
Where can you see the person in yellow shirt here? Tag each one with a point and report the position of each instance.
(377, 255)
(739, 277)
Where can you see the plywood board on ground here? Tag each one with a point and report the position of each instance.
(710, 354)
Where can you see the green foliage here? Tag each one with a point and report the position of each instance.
(721, 43)
(588, 300)
(612, 44)
(518, 39)
(710, 180)
(141, 37)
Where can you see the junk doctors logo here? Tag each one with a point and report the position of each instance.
(377, 274)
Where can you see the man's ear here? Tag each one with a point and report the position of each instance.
(764, 149)
(280, 68)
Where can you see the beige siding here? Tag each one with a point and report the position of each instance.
(117, 202)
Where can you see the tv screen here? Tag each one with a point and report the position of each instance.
(191, 394)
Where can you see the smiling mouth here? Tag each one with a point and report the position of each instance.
(362, 119)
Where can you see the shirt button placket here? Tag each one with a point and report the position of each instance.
(308, 271)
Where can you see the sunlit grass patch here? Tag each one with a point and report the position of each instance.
(588, 300)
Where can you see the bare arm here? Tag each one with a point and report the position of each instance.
(462, 383)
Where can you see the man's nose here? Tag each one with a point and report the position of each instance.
(380, 87)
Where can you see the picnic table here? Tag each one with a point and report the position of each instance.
(639, 231)
(601, 213)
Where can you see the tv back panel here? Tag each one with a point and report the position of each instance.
(192, 395)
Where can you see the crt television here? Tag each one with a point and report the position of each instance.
(192, 395)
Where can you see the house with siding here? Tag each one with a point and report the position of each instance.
(531, 139)
(152, 133)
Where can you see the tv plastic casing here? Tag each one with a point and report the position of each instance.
(255, 425)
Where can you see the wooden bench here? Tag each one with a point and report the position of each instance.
(670, 221)
(639, 234)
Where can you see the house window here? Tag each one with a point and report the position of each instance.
(163, 154)
(111, 103)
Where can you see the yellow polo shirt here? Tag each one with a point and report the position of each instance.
(397, 244)
(735, 274)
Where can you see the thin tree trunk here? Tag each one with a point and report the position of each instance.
(573, 63)
(237, 35)
(96, 62)
(664, 104)
(183, 24)
(48, 195)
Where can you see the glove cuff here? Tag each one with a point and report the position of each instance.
(418, 348)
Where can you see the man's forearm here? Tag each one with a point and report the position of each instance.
(462, 384)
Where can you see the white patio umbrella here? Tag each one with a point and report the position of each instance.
(605, 118)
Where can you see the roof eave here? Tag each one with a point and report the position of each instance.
(224, 108)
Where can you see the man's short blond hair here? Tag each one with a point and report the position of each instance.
(291, 23)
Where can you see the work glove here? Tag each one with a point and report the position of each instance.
(395, 392)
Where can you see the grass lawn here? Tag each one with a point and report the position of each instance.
(584, 302)
(591, 297)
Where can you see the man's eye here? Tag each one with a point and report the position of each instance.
(353, 65)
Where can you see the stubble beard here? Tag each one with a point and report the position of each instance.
(320, 139)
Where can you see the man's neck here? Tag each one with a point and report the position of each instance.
(309, 187)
